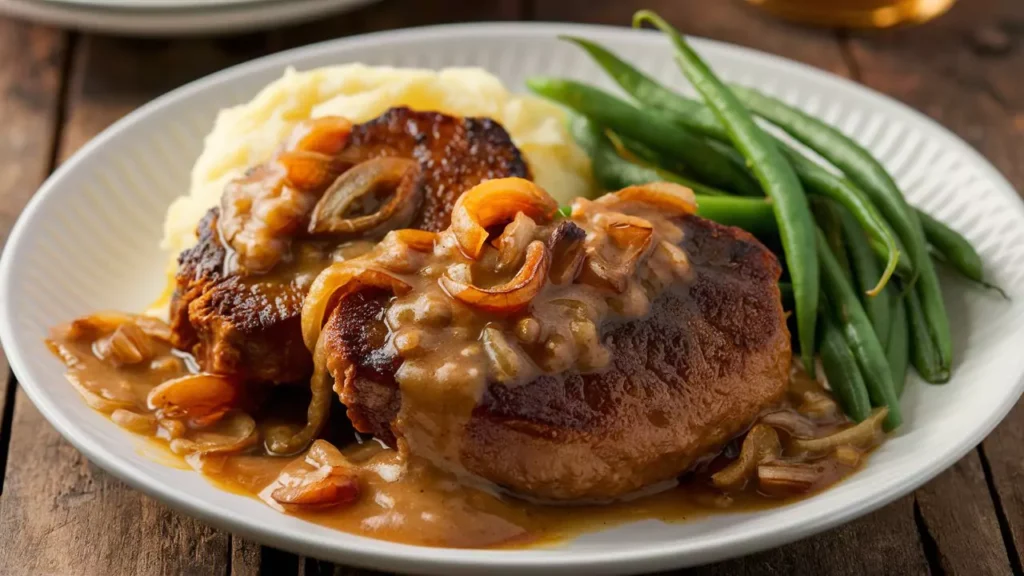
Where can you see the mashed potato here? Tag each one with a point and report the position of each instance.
(251, 133)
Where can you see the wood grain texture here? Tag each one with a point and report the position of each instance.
(961, 519)
(395, 14)
(729, 21)
(62, 515)
(245, 557)
(59, 514)
(964, 70)
(31, 63)
(879, 543)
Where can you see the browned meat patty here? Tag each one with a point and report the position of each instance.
(712, 355)
(249, 325)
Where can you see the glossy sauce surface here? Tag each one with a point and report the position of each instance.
(401, 500)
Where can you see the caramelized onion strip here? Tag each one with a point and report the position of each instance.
(862, 435)
(669, 198)
(495, 202)
(568, 252)
(203, 397)
(336, 280)
(360, 184)
(632, 237)
(332, 481)
(508, 297)
(418, 240)
(325, 135)
(317, 413)
(760, 445)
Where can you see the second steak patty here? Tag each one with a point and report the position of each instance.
(696, 372)
(249, 325)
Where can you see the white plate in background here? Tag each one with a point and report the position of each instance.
(88, 241)
(200, 16)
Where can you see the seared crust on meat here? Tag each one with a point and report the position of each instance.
(454, 153)
(712, 355)
(250, 326)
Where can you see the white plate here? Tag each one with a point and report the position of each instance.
(88, 241)
(198, 17)
(141, 5)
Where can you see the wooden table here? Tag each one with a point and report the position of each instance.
(59, 514)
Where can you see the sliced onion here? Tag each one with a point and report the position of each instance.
(399, 176)
(568, 252)
(232, 434)
(629, 233)
(324, 479)
(511, 296)
(513, 241)
(203, 396)
(632, 237)
(862, 435)
(786, 479)
(848, 456)
(326, 135)
(418, 240)
(792, 423)
(132, 421)
(669, 198)
(495, 202)
(508, 365)
(280, 441)
(127, 345)
(309, 171)
(403, 251)
(97, 402)
(760, 445)
(335, 281)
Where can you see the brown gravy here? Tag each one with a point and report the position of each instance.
(411, 502)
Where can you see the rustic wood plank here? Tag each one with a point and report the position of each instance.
(960, 518)
(245, 557)
(31, 65)
(395, 14)
(879, 543)
(60, 514)
(727, 21)
(964, 70)
(1003, 454)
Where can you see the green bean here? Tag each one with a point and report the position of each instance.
(699, 118)
(867, 272)
(613, 172)
(649, 127)
(842, 372)
(860, 335)
(780, 183)
(863, 169)
(826, 214)
(648, 155)
(755, 215)
(955, 251)
(885, 243)
(923, 351)
(897, 350)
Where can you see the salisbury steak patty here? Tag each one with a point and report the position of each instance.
(249, 324)
(713, 353)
